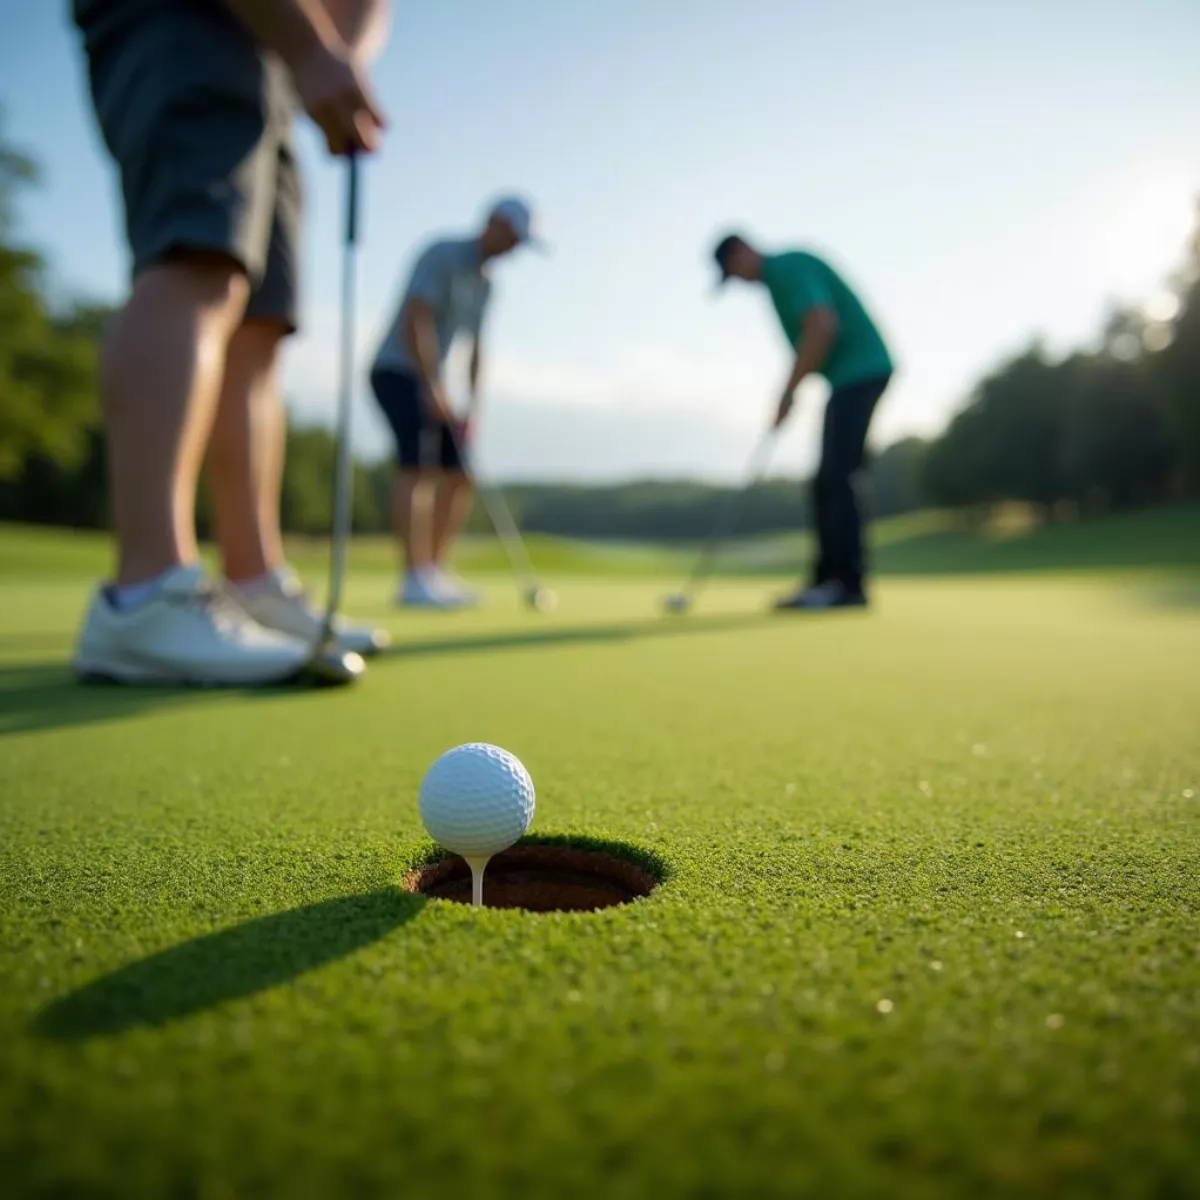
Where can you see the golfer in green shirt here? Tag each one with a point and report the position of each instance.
(834, 337)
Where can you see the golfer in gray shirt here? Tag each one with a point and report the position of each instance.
(446, 296)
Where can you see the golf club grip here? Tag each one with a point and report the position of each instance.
(352, 199)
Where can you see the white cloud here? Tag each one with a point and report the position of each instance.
(547, 382)
(637, 374)
(649, 411)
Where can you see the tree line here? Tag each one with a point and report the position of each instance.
(1101, 429)
(1093, 431)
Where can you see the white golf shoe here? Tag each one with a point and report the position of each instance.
(459, 590)
(425, 589)
(279, 603)
(188, 632)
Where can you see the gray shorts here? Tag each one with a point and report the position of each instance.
(198, 120)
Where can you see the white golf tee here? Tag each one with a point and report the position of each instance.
(478, 864)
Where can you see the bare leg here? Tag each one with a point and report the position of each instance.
(159, 381)
(453, 503)
(413, 505)
(245, 455)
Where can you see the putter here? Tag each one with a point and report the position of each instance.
(329, 665)
(538, 598)
(682, 600)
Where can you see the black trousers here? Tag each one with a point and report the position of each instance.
(836, 510)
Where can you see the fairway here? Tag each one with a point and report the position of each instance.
(928, 921)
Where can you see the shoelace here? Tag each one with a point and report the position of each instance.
(298, 596)
(294, 593)
(224, 613)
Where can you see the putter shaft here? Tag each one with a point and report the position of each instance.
(726, 519)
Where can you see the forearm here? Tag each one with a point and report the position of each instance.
(420, 336)
(291, 28)
(812, 349)
(360, 23)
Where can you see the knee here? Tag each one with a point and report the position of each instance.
(257, 343)
(188, 305)
(212, 284)
(413, 481)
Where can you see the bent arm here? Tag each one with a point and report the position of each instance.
(419, 330)
(292, 28)
(818, 332)
(362, 24)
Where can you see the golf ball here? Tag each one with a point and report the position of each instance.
(477, 800)
(542, 599)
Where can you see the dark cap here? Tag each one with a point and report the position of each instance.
(724, 249)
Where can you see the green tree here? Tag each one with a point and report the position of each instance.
(895, 478)
(306, 504)
(1117, 449)
(959, 470)
(1177, 369)
(47, 368)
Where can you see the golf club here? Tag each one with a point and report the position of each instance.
(330, 665)
(682, 601)
(540, 599)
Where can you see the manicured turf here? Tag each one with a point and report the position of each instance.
(929, 927)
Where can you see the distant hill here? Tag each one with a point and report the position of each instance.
(927, 543)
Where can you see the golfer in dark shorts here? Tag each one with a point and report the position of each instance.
(446, 297)
(194, 101)
(833, 336)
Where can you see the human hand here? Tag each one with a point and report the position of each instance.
(461, 428)
(335, 93)
(438, 404)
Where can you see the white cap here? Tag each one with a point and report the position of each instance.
(519, 215)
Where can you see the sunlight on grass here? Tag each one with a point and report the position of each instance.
(929, 891)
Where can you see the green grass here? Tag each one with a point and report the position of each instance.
(933, 543)
(929, 926)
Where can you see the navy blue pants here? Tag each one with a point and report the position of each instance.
(837, 514)
(422, 442)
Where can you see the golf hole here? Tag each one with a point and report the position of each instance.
(539, 878)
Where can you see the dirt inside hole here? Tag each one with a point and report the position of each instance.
(539, 879)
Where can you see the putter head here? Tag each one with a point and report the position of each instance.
(677, 603)
(541, 599)
(331, 667)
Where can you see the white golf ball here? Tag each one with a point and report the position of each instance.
(477, 800)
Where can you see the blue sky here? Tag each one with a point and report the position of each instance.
(983, 172)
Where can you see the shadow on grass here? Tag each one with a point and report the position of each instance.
(666, 626)
(227, 965)
(44, 695)
(48, 696)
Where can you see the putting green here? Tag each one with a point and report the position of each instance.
(929, 924)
